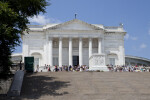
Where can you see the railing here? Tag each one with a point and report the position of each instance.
(16, 85)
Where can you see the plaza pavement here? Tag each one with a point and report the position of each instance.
(85, 86)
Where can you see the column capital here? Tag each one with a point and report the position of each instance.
(70, 38)
(80, 38)
(99, 38)
(90, 39)
(50, 38)
(60, 38)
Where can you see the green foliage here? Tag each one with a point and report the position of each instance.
(13, 21)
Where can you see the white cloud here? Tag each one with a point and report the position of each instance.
(126, 36)
(41, 19)
(142, 46)
(134, 38)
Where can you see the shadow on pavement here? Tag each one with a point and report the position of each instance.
(35, 86)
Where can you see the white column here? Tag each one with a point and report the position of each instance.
(70, 51)
(99, 46)
(80, 51)
(90, 47)
(45, 53)
(50, 46)
(60, 52)
(103, 45)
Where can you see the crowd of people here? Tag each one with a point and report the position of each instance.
(128, 68)
(111, 68)
(71, 68)
(64, 68)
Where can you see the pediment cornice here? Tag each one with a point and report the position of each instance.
(58, 26)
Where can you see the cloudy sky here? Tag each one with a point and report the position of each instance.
(134, 14)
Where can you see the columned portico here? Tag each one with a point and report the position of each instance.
(70, 51)
(60, 52)
(80, 52)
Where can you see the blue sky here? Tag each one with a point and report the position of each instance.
(134, 14)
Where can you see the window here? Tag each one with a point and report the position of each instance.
(112, 61)
(36, 62)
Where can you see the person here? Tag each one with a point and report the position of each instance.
(20, 65)
(46, 66)
(55, 68)
(64, 67)
(60, 68)
(81, 68)
(49, 69)
(129, 69)
(144, 69)
(70, 68)
(37, 70)
(115, 69)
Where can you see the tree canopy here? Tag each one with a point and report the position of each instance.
(14, 16)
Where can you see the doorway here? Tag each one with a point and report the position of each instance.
(75, 60)
(55, 61)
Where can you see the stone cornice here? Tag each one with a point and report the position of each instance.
(98, 31)
(75, 20)
(124, 33)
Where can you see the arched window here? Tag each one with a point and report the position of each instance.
(112, 59)
(37, 60)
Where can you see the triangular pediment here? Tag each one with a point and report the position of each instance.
(75, 25)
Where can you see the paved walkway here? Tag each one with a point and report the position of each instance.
(86, 86)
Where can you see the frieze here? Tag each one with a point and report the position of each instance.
(111, 49)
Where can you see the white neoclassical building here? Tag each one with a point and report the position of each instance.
(74, 43)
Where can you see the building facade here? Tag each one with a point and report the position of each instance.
(73, 43)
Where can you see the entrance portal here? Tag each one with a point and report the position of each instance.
(75, 60)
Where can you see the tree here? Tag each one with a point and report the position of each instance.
(13, 21)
